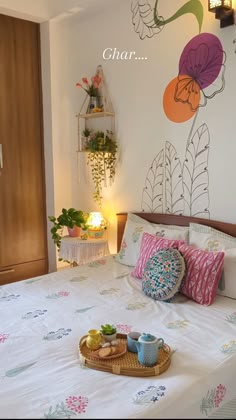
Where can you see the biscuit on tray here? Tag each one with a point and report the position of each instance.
(104, 352)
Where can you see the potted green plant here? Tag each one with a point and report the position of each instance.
(102, 157)
(71, 218)
(109, 332)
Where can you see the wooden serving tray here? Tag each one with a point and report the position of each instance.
(127, 364)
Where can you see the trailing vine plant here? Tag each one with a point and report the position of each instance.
(102, 158)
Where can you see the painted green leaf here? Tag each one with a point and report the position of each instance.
(192, 6)
(78, 279)
(121, 276)
(16, 371)
(80, 311)
(109, 291)
(33, 280)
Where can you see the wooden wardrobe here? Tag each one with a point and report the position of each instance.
(23, 244)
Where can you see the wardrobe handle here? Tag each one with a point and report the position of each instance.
(1, 157)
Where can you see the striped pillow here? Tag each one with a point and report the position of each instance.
(203, 272)
(150, 244)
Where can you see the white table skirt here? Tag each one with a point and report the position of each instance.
(82, 251)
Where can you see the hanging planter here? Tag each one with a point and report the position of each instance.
(102, 158)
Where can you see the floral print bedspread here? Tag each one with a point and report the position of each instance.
(42, 320)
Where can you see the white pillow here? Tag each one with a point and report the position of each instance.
(134, 229)
(130, 245)
(165, 231)
(179, 232)
(183, 230)
(210, 239)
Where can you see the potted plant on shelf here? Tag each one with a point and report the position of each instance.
(102, 157)
(109, 332)
(73, 219)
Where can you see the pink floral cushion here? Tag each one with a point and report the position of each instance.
(203, 272)
(150, 244)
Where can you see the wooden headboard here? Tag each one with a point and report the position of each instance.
(171, 219)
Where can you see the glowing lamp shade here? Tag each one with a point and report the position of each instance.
(96, 224)
(213, 4)
(223, 11)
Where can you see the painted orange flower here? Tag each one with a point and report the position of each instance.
(201, 77)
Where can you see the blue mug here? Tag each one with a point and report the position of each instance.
(132, 338)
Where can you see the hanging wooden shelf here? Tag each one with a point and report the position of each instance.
(102, 162)
(97, 115)
(94, 151)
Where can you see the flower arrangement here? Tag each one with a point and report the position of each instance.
(91, 89)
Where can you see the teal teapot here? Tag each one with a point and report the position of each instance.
(147, 347)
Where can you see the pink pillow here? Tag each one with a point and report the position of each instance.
(203, 272)
(150, 244)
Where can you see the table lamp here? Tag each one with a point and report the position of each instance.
(96, 224)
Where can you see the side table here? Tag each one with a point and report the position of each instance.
(80, 251)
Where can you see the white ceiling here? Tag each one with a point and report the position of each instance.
(43, 10)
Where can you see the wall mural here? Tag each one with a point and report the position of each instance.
(147, 21)
(172, 186)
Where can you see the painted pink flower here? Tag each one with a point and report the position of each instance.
(219, 395)
(63, 293)
(102, 262)
(3, 337)
(124, 328)
(77, 404)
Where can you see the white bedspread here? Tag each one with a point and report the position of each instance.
(42, 320)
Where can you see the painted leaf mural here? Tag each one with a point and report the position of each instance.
(173, 181)
(143, 19)
(152, 197)
(192, 6)
(171, 186)
(147, 21)
(195, 174)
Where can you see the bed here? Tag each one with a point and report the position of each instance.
(43, 318)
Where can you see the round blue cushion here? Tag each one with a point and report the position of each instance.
(163, 274)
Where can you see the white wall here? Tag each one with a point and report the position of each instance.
(136, 89)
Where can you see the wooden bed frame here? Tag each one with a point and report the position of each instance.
(171, 219)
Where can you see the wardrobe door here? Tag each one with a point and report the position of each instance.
(23, 248)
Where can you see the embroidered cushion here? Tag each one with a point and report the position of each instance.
(203, 272)
(150, 244)
(163, 274)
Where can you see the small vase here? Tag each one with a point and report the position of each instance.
(93, 103)
(75, 231)
(109, 338)
(94, 339)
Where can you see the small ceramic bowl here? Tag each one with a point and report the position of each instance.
(132, 338)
